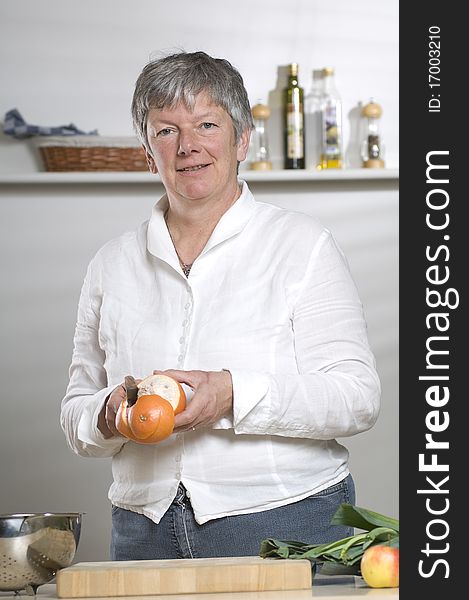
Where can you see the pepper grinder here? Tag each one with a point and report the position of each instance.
(372, 150)
(260, 114)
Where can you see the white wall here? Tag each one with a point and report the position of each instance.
(64, 61)
(67, 61)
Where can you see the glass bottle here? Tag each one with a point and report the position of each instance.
(294, 143)
(313, 121)
(331, 153)
(372, 150)
(260, 144)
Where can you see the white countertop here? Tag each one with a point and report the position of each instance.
(333, 588)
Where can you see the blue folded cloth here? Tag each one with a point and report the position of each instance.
(17, 127)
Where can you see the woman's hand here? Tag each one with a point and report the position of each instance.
(212, 399)
(107, 416)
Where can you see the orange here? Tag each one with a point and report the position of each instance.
(122, 424)
(148, 421)
(166, 387)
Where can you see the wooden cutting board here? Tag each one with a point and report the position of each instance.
(182, 576)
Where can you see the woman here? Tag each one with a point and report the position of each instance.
(250, 305)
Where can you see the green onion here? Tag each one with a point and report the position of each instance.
(344, 555)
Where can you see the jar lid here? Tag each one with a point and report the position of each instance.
(260, 111)
(372, 110)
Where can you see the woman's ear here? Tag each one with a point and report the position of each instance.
(243, 145)
(150, 161)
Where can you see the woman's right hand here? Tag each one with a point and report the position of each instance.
(107, 416)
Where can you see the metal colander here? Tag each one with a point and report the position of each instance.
(34, 546)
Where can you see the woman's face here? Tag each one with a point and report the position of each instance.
(195, 151)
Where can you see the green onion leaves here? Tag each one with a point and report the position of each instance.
(341, 556)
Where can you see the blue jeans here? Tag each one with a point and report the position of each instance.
(178, 535)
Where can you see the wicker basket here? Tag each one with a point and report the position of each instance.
(92, 153)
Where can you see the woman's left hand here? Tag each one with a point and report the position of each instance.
(212, 399)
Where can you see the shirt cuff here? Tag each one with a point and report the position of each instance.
(249, 389)
(88, 432)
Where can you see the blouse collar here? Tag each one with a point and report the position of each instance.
(231, 223)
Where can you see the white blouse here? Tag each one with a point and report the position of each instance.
(272, 300)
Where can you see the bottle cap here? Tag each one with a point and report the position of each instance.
(293, 69)
(328, 71)
(372, 110)
(260, 111)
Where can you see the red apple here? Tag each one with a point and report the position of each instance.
(380, 566)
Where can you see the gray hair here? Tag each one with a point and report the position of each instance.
(180, 77)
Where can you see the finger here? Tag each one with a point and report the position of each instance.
(183, 428)
(111, 419)
(189, 430)
(115, 399)
(177, 374)
(189, 427)
(191, 378)
(198, 412)
(186, 418)
(191, 416)
(112, 406)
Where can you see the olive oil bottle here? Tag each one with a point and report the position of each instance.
(332, 153)
(294, 142)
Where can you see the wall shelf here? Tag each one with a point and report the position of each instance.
(51, 178)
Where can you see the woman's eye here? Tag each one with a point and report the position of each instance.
(165, 131)
(208, 125)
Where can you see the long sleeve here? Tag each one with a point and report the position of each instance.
(336, 391)
(88, 386)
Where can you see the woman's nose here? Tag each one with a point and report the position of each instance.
(187, 143)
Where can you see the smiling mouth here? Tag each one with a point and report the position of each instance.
(192, 169)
